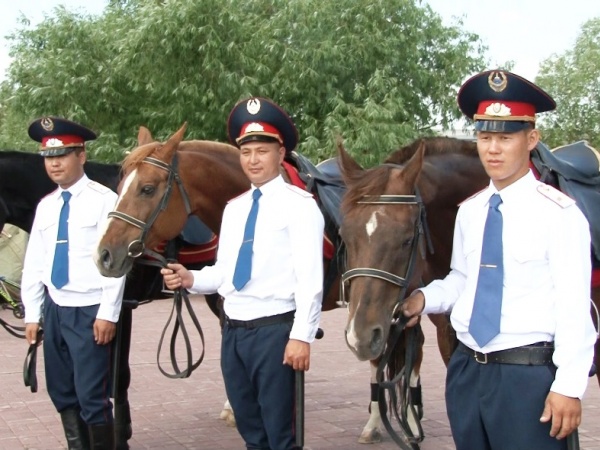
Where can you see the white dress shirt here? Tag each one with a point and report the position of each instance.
(287, 260)
(88, 211)
(547, 277)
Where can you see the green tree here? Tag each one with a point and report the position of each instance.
(573, 80)
(379, 73)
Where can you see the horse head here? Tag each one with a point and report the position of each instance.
(381, 227)
(150, 208)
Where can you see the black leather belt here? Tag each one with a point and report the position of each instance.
(261, 321)
(538, 354)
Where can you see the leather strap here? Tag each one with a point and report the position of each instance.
(30, 363)
(528, 355)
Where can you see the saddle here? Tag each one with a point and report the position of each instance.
(574, 169)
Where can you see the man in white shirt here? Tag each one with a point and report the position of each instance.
(62, 285)
(519, 286)
(269, 270)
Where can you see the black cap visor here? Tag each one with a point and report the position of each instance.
(501, 126)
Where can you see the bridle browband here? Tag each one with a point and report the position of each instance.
(136, 248)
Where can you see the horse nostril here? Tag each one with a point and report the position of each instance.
(376, 339)
(106, 259)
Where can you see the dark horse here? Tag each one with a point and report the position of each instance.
(23, 183)
(210, 175)
(391, 214)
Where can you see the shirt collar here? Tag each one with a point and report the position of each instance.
(270, 186)
(76, 189)
(514, 191)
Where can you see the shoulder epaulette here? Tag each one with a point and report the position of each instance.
(98, 187)
(299, 191)
(555, 195)
(472, 196)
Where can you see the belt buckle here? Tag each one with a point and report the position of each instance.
(477, 355)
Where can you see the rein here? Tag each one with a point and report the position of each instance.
(398, 322)
(137, 248)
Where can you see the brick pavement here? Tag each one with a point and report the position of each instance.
(184, 414)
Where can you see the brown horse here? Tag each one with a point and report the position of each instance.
(162, 184)
(391, 214)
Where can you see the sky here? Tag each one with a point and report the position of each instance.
(524, 31)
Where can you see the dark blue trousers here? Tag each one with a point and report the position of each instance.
(498, 406)
(77, 369)
(259, 386)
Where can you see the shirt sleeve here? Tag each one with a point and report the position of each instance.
(575, 336)
(441, 295)
(112, 288)
(32, 287)
(306, 230)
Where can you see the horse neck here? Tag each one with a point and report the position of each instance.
(210, 183)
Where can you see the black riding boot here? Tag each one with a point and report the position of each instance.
(123, 430)
(102, 436)
(76, 430)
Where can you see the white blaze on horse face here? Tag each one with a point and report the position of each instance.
(351, 338)
(126, 186)
(372, 223)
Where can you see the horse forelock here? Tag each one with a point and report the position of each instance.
(371, 182)
(137, 156)
(434, 146)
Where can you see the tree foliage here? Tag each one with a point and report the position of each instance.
(573, 80)
(378, 73)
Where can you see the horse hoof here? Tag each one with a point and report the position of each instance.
(370, 436)
(228, 417)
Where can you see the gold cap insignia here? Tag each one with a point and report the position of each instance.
(498, 109)
(497, 81)
(254, 127)
(253, 106)
(47, 124)
(54, 142)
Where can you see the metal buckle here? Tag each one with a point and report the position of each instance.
(476, 355)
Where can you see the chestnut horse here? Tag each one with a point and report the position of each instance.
(392, 214)
(165, 182)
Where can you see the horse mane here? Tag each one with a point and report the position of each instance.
(434, 146)
(374, 181)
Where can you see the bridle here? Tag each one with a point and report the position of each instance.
(136, 248)
(401, 380)
(420, 230)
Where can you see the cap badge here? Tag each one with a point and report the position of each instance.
(254, 127)
(47, 124)
(497, 81)
(54, 142)
(497, 109)
(253, 106)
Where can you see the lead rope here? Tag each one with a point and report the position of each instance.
(180, 300)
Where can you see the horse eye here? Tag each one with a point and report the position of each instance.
(148, 190)
(407, 242)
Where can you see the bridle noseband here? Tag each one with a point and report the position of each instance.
(136, 248)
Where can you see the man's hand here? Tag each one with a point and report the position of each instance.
(565, 413)
(297, 354)
(176, 276)
(31, 331)
(413, 307)
(104, 331)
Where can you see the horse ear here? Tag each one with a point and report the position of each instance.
(413, 167)
(144, 136)
(173, 143)
(349, 168)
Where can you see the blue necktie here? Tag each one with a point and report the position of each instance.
(60, 266)
(485, 319)
(243, 266)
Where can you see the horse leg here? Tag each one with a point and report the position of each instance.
(371, 432)
(446, 336)
(122, 413)
(227, 414)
